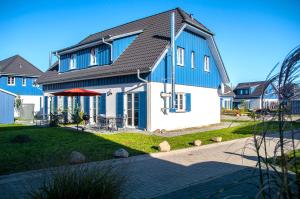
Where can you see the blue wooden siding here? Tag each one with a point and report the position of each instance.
(6, 108)
(186, 75)
(120, 104)
(86, 106)
(83, 58)
(95, 82)
(18, 89)
(120, 45)
(142, 124)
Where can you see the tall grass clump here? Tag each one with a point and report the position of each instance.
(80, 183)
(275, 163)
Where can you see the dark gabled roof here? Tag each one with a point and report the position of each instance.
(258, 89)
(17, 65)
(228, 92)
(142, 54)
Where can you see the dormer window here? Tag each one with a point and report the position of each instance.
(23, 81)
(11, 81)
(73, 61)
(93, 57)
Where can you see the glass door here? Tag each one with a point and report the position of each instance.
(132, 109)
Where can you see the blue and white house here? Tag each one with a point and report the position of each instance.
(18, 76)
(160, 72)
(7, 100)
(227, 96)
(255, 95)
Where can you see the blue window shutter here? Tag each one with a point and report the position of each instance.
(188, 102)
(46, 105)
(102, 104)
(120, 104)
(55, 104)
(142, 110)
(86, 106)
(77, 101)
(65, 103)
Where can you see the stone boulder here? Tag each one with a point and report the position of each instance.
(164, 147)
(163, 131)
(197, 142)
(217, 139)
(76, 158)
(121, 153)
(156, 131)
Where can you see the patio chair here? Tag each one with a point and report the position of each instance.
(102, 122)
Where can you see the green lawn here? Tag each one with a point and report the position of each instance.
(52, 146)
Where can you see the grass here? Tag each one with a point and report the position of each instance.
(51, 146)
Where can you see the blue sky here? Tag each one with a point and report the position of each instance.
(252, 35)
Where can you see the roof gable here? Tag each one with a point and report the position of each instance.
(17, 65)
(143, 53)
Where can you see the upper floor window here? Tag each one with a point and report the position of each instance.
(11, 81)
(180, 56)
(93, 56)
(34, 84)
(73, 61)
(206, 63)
(23, 81)
(193, 59)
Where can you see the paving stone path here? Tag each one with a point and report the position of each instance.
(158, 174)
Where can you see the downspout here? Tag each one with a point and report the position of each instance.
(111, 49)
(172, 28)
(148, 98)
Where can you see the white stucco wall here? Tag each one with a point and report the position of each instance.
(32, 99)
(205, 108)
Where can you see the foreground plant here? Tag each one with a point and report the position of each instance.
(80, 183)
(275, 178)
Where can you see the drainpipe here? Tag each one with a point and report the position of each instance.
(139, 77)
(111, 49)
(172, 30)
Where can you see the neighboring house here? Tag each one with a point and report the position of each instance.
(7, 100)
(19, 76)
(130, 65)
(251, 95)
(227, 95)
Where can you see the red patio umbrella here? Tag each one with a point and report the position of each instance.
(77, 92)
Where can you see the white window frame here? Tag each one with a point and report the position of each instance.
(23, 81)
(11, 81)
(193, 60)
(206, 63)
(34, 82)
(93, 57)
(180, 105)
(73, 61)
(180, 56)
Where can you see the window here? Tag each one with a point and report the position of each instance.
(23, 81)
(11, 81)
(206, 63)
(180, 56)
(73, 61)
(193, 59)
(34, 84)
(179, 102)
(93, 57)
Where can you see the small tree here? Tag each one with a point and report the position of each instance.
(18, 104)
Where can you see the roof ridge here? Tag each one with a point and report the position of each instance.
(147, 17)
